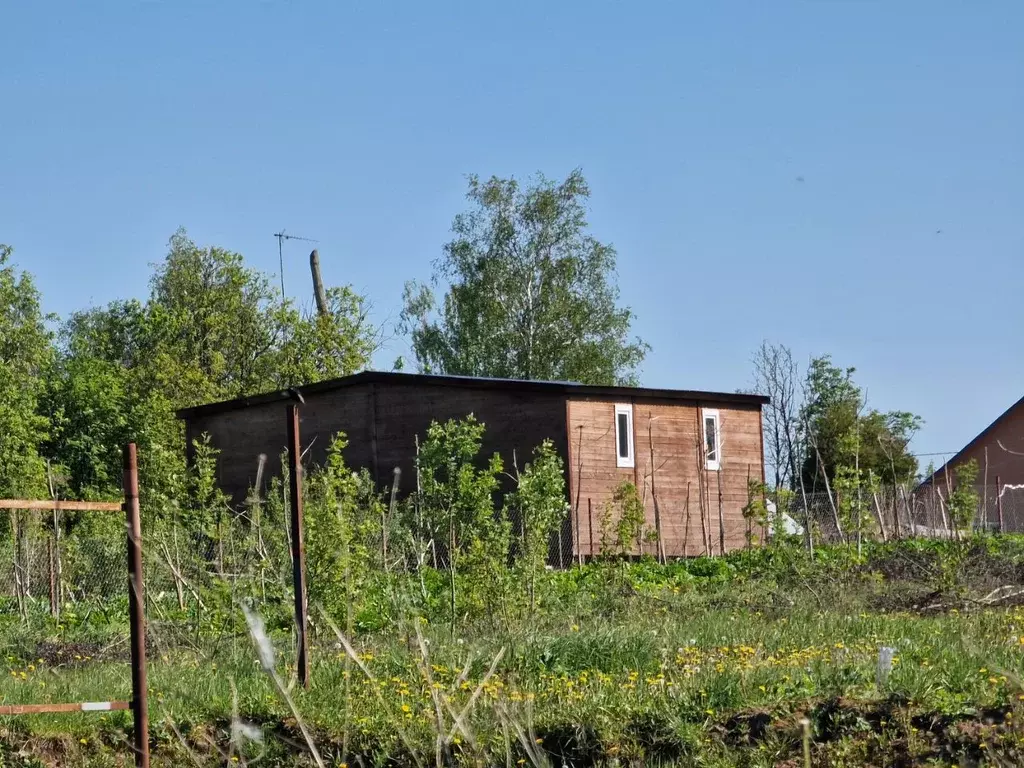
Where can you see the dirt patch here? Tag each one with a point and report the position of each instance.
(64, 654)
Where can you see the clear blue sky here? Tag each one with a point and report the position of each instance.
(766, 170)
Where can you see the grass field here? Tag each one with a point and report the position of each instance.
(734, 661)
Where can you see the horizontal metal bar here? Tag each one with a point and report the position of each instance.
(45, 709)
(61, 504)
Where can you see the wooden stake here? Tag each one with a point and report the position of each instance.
(686, 523)
(136, 607)
(298, 543)
(590, 525)
(750, 525)
(721, 515)
(999, 504)
(654, 494)
(577, 539)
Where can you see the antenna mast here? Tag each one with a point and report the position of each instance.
(281, 237)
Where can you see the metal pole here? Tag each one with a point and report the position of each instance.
(298, 544)
(136, 614)
(999, 504)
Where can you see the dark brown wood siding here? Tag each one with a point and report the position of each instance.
(381, 422)
(241, 435)
(667, 453)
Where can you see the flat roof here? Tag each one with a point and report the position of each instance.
(469, 382)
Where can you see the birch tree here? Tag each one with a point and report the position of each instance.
(528, 292)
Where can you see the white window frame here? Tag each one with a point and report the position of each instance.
(713, 465)
(627, 409)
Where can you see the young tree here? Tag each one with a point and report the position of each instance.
(539, 504)
(531, 294)
(963, 499)
(456, 501)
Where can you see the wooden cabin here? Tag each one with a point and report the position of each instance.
(675, 445)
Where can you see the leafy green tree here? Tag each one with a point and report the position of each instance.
(963, 499)
(337, 343)
(342, 522)
(531, 294)
(26, 356)
(457, 508)
(211, 329)
(88, 404)
(540, 505)
(211, 325)
(622, 520)
(838, 430)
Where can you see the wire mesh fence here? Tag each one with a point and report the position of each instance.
(69, 566)
(60, 561)
(900, 513)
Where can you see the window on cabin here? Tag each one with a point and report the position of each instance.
(712, 440)
(624, 435)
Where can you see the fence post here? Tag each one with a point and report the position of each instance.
(999, 505)
(136, 614)
(298, 543)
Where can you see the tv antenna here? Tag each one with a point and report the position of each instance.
(281, 237)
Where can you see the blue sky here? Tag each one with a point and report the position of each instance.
(843, 177)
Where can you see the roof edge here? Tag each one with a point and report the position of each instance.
(467, 382)
(949, 464)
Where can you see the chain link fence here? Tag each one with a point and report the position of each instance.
(922, 513)
(54, 562)
(69, 566)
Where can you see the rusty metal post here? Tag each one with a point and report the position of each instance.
(999, 505)
(298, 543)
(136, 607)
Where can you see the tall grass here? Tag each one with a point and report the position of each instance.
(669, 664)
